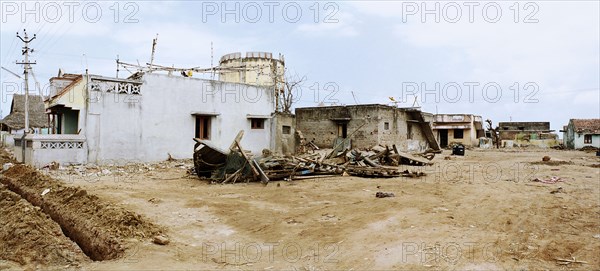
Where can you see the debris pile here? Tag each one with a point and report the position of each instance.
(237, 164)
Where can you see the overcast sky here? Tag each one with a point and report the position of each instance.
(506, 61)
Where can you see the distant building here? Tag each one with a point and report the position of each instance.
(256, 68)
(523, 134)
(580, 133)
(465, 129)
(367, 125)
(14, 123)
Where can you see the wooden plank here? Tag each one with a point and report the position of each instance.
(238, 138)
(415, 158)
(254, 170)
(370, 162)
(263, 177)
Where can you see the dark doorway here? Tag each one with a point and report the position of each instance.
(443, 138)
(342, 130)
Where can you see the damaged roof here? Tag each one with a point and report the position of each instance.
(591, 126)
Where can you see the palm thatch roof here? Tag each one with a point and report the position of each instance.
(37, 113)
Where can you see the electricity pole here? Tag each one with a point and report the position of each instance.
(26, 67)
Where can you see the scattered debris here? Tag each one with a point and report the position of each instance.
(7, 166)
(170, 157)
(155, 200)
(551, 162)
(560, 146)
(384, 195)
(546, 158)
(552, 180)
(161, 240)
(569, 261)
(304, 146)
(52, 166)
(557, 190)
(589, 149)
(46, 191)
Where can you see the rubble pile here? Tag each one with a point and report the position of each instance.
(236, 164)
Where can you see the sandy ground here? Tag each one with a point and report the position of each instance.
(481, 211)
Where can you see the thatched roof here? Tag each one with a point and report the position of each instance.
(37, 113)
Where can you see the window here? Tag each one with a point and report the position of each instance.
(203, 127)
(587, 139)
(409, 133)
(257, 123)
(286, 130)
(458, 133)
(386, 126)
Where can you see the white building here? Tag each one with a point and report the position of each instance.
(109, 120)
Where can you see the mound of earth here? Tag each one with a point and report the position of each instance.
(30, 237)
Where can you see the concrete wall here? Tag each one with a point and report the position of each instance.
(540, 143)
(533, 126)
(8, 140)
(284, 142)
(578, 141)
(160, 121)
(320, 125)
(44, 149)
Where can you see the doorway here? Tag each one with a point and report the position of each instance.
(342, 130)
(443, 138)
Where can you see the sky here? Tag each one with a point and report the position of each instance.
(503, 60)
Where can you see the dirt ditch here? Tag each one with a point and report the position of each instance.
(100, 229)
(30, 237)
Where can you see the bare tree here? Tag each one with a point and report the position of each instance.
(494, 132)
(291, 87)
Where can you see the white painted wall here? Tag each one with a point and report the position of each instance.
(144, 128)
(579, 141)
(38, 156)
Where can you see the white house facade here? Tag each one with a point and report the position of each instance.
(148, 119)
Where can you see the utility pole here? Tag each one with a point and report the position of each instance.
(153, 51)
(212, 77)
(26, 67)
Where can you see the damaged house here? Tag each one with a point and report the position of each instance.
(367, 125)
(149, 117)
(523, 134)
(465, 129)
(581, 133)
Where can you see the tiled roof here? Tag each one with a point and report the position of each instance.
(586, 125)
